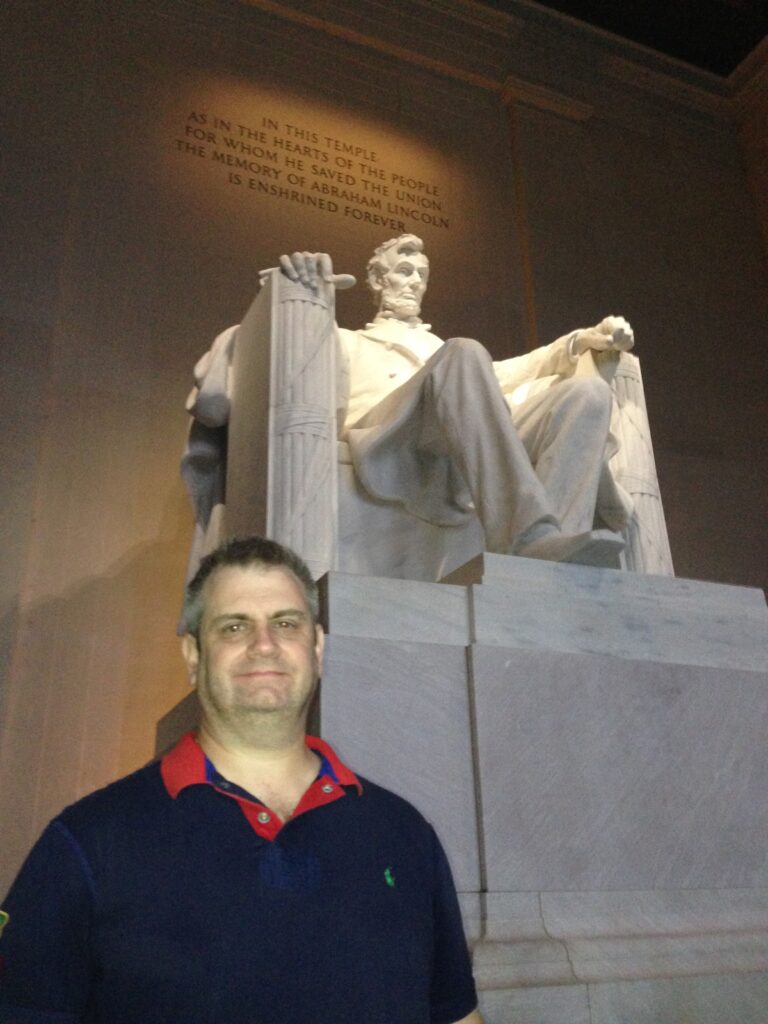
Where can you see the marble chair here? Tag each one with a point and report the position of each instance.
(289, 477)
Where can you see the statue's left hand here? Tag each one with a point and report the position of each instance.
(612, 334)
(312, 267)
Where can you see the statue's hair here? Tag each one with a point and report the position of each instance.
(378, 264)
(244, 552)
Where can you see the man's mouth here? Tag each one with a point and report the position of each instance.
(260, 673)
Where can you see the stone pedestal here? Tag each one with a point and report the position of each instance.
(590, 745)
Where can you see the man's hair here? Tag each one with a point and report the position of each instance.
(379, 264)
(244, 552)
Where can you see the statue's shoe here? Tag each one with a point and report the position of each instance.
(596, 547)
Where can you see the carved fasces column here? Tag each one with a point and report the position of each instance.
(282, 458)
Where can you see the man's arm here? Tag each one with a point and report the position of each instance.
(473, 1018)
(46, 943)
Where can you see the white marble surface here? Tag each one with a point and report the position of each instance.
(550, 606)
(514, 916)
(559, 1004)
(736, 999)
(526, 916)
(398, 713)
(372, 606)
(525, 573)
(533, 938)
(507, 965)
(564, 962)
(696, 999)
(665, 912)
(471, 904)
(667, 956)
(600, 774)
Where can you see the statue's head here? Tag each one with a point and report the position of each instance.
(397, 276)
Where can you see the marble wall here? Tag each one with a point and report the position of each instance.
(583, 176)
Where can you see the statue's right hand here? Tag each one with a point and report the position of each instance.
(310, 268)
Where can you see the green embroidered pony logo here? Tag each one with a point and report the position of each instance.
(389, 878)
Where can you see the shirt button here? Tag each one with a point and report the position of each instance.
(264, 818)
(224, 785)
(327, 788)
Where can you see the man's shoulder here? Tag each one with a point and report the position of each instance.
(136, 795)
(393, 808)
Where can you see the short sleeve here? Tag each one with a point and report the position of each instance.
(453, 994)
(45, 965)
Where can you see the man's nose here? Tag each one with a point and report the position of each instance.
(262, 640)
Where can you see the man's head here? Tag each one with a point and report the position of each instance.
(397, 275)
(243, 552)
(252, 645)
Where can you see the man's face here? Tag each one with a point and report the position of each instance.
(404, 284)
(258, 651)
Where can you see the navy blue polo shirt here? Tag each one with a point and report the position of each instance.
(172, 896)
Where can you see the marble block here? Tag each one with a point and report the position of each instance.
(528, 916)
(388, 609)
(471, 906)
(668, 956)
(509, 965)
(734, 999)
(524, 602)
(533, 572)
(398, 712)
(573, 915)
(514, 917)
(561, 937)
(559, 1004)
(597, 773)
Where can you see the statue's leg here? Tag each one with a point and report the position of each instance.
(565, 430)
(466, 416)
(452, 412)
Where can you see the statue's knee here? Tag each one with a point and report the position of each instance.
(467, 349)
(590, 392)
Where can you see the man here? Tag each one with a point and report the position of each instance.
(249, 877)
(440, 429)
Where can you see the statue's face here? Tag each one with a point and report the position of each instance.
(404, 284)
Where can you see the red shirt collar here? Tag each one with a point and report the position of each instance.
(185, 766)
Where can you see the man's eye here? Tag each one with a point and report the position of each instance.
(286, 624)
(232, 628)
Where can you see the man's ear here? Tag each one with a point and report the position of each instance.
(319, 646)
(191, 655)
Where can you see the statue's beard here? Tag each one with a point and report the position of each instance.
(400, 307)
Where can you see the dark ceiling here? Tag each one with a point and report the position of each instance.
(715, 35)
